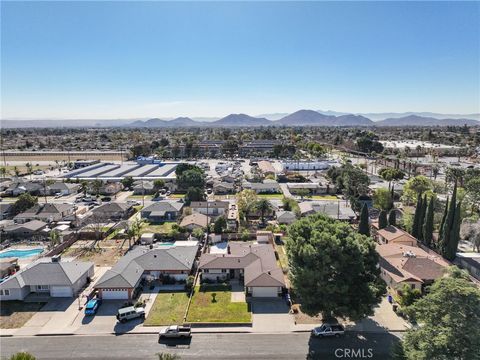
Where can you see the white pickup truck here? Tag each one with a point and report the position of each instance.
(175, 331)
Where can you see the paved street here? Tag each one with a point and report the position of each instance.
(203, 346)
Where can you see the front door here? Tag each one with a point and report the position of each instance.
(232, 274)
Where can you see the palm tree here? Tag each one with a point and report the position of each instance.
(263, 205)
(29, 169)
(54, 237)
(84, 187)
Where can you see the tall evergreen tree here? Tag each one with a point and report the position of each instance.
(382, 220)
(442, 223)
(421, 220)
(428, 225)
(392, 218)
(454, 237)
(448, 224)
(364, 225)
(416, 217)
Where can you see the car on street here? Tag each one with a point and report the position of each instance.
(328, 330)
(128, 313)
(175, 331)
(92, 306)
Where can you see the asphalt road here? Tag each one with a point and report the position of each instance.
(203, 346)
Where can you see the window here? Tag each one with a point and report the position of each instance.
(6, 292)
(224, 270)
(205, 271)
(1, 292)
(42, 287)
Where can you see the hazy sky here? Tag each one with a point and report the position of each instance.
(162, 59)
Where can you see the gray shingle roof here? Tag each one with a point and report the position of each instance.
(165, 206)
(129, 269)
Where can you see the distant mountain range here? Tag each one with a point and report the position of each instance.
(298, 118)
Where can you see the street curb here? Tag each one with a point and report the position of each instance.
(55, 334)
(9, 335)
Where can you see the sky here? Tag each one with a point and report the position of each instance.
(99, 60)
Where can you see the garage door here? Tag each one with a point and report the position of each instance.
(264, 292)
(61, 291)
(115, 294)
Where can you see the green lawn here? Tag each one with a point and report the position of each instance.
(282, 257)
(139, 197)
(177, 196)
(270, 196)
(203, 309)
(158, 228)
(168, 309)
(323, 197)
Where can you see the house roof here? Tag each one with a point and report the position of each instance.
(334, 209)
(112, 207)
(63, 186)
(211, 204)
(163, 207)
(45, 210)
(266, 185)
(129, 269)
(258, 262)
(391, 232)
(225, 185)
(285, 214)
(46, 272)
(33, 225)
(195, 219)
(404, 262)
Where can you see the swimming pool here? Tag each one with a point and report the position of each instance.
(20, 253)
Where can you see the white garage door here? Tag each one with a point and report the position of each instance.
(61, 291)
(264, 292)
(115, 294)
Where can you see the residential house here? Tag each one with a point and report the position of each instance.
(123, 280)
(47, 212)
(339, 210)
(223, 188)
(403, 264)
(265, 187)
(5, 211)
(195, 221)
(33, 228)
(392, 234)
(469, 262)
(21, 187)
(312, 188)
(211, 208)
(161, 211)
(49, 276)
(285, 217)
(266, 168)
(63, 188)
(232, 218)
(110, 188)
(228, 178)
(254, 264)
(143, 188)
(113, 211)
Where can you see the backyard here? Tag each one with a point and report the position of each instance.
(213, 304)
(168, 309)
(14, 314)
(164, 228)
(270, 196)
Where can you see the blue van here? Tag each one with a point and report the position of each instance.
(92, 306)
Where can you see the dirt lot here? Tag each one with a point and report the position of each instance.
(99, 256)
(14, 314)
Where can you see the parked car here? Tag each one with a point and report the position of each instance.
(58, 195)
(92, 306)
(106, 198)
(129, 313)
(175, 331)
(133, 202)
(328, 330)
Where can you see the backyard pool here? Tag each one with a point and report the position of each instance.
(18, 253)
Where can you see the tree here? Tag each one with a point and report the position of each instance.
(97, 186)
(23, 355)
(127, 182)
(382, 220)
(133, 230)
(191, 178)
(334, 269)
(54, 237)
(391, 174)
(220, 225)
(407, 296)
(246, 199)
(198, 233)
(158, 184)
(392, 217)
(472, 188)
(417, 218)
(24, 202)
(450, 235)
(423, 212)
(364, 225)
(382, 199)
(470, 231)
(3, 171)
(414, 187)
(369, 143)
(302, 193)
(84, 187)
(428, 225)
(194, 194)
(449, 314)
(264, 206)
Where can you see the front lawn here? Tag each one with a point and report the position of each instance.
(14, 314)
(206, 307)
(177, 196)
(168, 309)
(323, 197)
(140, 197)
(164, 228)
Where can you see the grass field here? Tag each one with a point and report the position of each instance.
(168, 309)
(14, 314)
(323, 197)
(158, 228)
(206, 307)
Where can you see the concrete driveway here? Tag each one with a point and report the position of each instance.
(103, 321)
(271, 315)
